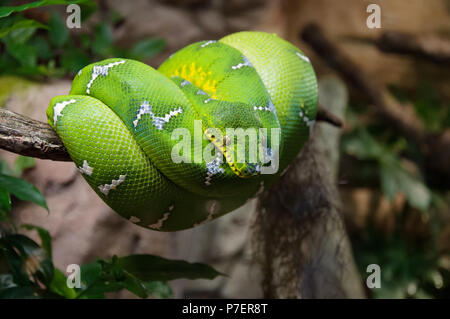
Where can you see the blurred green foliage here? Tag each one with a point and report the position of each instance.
(414, 262)
(27, 269)
(37, 49)
(410, 267)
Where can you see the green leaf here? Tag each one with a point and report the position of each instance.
(22, 163)
(27, 261)
(147, 48)
(363, 146)
(21, 24)
(19, 30)
(94, 285)
(7, 10)
(6, 281)
(5, 169)
(395, 179)
(158, 289)
(75, 60)
(5, 200)
(155, 268)
(42, 47)
(25, 54)
(22, 190)
(58, 285)
(24, 292)
(135, 286)
(101, 276)
(59, 33)
(142, 275)
(44, 235)
(103, 40)
(86, 42)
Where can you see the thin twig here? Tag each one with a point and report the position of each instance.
(431, 48)
(323, 115)
(401, 117)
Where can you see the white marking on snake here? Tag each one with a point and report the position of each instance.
(207, 43)
(201, 92)
(159, 122)
(213, 208)
(184, 83)
(262, 108)
(260, 190)
(134, 219)
(213, 168)
(207, 100)
(114, 183)
(285, 171)
(85, 169)
(161, 221)
(308, 122)
(58, 107)
(267, 154)
(100, 70)
(79, 72)
(240, 65)
(303, 57)
(271, 106)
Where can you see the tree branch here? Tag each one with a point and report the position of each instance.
(428, 47)
(402, 117)
(299, 237)
(324, 115)
(25, 136)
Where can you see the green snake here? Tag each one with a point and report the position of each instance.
(139, 135)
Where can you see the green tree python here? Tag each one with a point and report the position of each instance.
(170, 149)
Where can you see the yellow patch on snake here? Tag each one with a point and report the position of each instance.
(198, 77)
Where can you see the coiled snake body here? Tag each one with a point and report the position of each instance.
(121, 126)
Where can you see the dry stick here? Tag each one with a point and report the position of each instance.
(22, 135)
(298, 236)
(402, 117)
(25, 136)
(431, 48)
(324, 115)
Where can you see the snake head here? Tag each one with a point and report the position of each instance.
(236, 132)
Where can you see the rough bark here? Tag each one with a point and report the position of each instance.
(23, 135)
(300, 239)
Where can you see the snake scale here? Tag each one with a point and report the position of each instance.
(155, 144)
